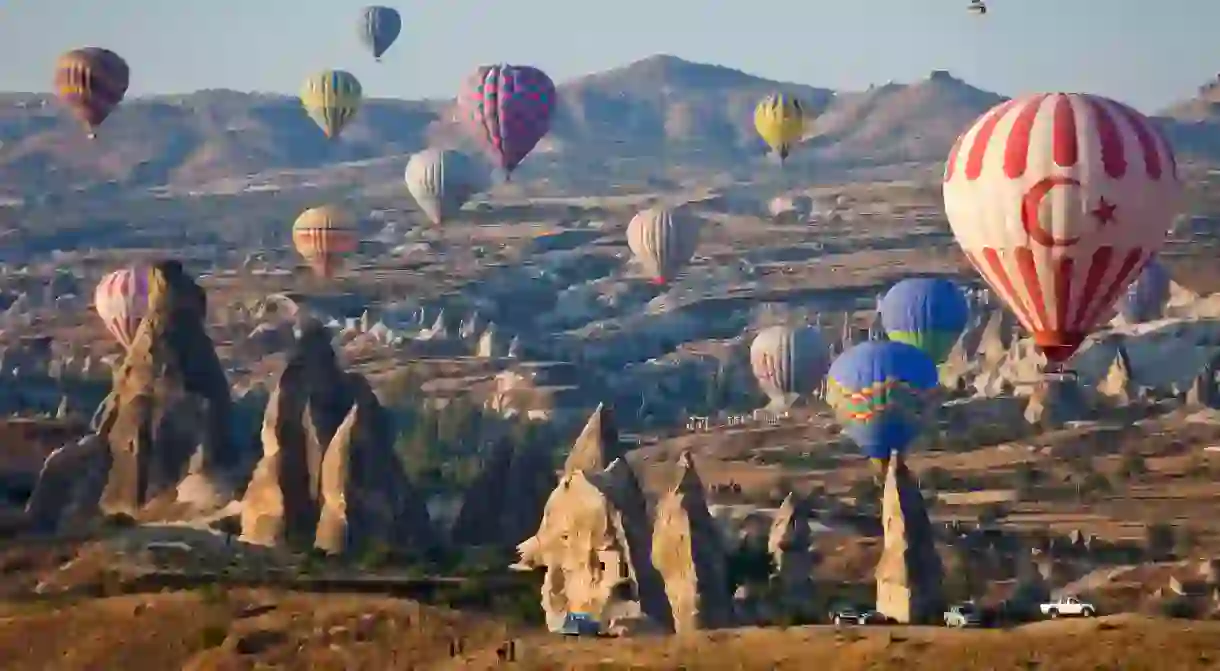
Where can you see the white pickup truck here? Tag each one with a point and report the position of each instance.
(1068, 606)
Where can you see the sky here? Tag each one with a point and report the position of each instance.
(1148, 53)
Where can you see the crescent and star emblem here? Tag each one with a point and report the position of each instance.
(1032, 201)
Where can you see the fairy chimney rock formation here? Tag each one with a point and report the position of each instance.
(593, 542)
(505, 502)
(328, 477)
(789, 544)
(597, 445)
(1055, 402)
(996, 337)
(909, 573)
(688, 550)
(170, 399)
(1118, 386)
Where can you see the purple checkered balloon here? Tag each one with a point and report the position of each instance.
(508, 108)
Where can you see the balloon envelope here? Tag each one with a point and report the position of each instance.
(788, 362)
(508, 109)
(323, 236)
(1059, 200)
(121, 300)
(664, 240)
(91, 82)
(441, 181)
(1145, 299)
(780, 121)
(882, 393)
(378, 28)
(332, 99)
(929, 313)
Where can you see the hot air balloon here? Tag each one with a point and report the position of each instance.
(91, 82)
(1145, 299)
(378, 28)
(508, 109)
(929, 313)
(788, 362)
(331, 99)
(780, 121)
(323, 236)
(121, 300)
(1059, 200)
(882, 392)
(664, 241)
(441, 181)
(977, 7)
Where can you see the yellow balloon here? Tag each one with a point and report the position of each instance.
(331, 99)
(780, 121)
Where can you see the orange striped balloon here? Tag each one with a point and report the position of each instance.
(323, 236)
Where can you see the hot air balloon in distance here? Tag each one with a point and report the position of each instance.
(789, 362)
(663, 240)
(332, 99)
(92, 82)
(977, 7)
(929, 313)
(1059, 200)
(378, 28)
(508, 109)
(441, 181)
(121, 300)
(780, 121)
(323, 236)
(882, 392)
(1145, 299)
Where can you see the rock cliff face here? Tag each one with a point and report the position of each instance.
(170, 399)
(789, 544)
(594, 544)
(504, 504)
(688, 550)
(909, 574)
(597, 445)
(329, 477)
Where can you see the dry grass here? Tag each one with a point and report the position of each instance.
(244, 630)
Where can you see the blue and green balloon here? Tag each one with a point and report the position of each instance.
(882, 393)
(927, 313)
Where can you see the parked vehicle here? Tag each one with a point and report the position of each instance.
(1068, 606)
(579, 624)
(963, 615)
(856, 614)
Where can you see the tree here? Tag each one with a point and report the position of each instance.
(1133, 466)
(1158, 541)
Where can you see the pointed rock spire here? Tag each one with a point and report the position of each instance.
(597, 445)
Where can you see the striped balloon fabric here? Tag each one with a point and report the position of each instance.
(121, 300)
(1059, 200)
(91, 82)
(323, 236)
(332, 99)
(508, 109)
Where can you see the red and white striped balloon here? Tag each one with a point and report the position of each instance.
(1059, 200)
(121, 300)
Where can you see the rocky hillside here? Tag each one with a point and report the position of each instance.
(663, 109)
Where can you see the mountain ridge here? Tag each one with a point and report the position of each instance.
(635, 122)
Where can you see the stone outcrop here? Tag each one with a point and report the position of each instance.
(1055, 402)
(909, 574)
(1118, 386)
(329, 477)
(593, 542)
(688, 550)
(597, 445)
(504, 504)
(170, 399)
(789, 544)
(69, 486)
(996, 337)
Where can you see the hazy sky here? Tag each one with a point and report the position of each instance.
(1146, 52)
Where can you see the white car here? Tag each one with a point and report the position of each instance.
(1068, 606)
